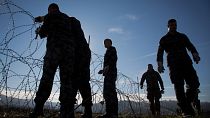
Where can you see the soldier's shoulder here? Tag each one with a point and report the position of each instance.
(181, 34)
(156, 72)
(113, 49)
(64, 14)
(73, 18)
(145, 73)
(164, 37)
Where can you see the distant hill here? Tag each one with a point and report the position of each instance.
(167, 107)
(26, 103)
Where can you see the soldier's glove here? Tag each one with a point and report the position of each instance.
(105, 70)
(37, 32)
(39, 19)
(162, 91)
(160, 67)
(141, 86)
(100, 71)
(196, 57)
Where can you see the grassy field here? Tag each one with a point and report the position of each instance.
(23, 113)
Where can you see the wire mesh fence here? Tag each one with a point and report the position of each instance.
(21, 60)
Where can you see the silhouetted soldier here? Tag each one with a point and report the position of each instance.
(180, 66)
(82, 68)
(60, 52)
(110, 73)
(153, 80)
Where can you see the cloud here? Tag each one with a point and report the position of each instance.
(149, 55)
(131, 17)
(145, 56)
(116, 30)
(22, 94)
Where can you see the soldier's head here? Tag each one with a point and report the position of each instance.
(172, 25)
(107, 43)
(150, 67)
(53, 8)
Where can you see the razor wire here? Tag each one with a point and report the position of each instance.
(21, 66)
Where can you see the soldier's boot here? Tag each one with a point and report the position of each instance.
(157, 110)
(108, 116)
(110, 112)
(152, 109)
(187, 110)
(37, 111)
(87, 112)
(67, 114)
(67, 111)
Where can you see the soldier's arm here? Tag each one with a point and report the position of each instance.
(160, 80)
(45, 27)
(192, 49)
(189, 45)
(160, 52)
(160, 57)
(143, 78)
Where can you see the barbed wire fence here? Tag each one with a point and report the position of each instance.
(21, 60)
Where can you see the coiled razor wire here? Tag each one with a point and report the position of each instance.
(21, 60)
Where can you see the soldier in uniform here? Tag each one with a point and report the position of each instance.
(175, 44)
(153, 80)
(60, 53)
(110, 73)
(82, 68)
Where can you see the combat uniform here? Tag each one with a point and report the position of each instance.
(109, 91)
(60, 53)
(82, 67)
(181, 69)
(153, 80)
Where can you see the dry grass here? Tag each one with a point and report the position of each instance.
(13, 112)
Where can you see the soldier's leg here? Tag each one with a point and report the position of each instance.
(150, 97)
(87, 103)
(157, 102)
(182, 100)
(157, 105)
(177, 78)
(67, 98)
(110, 95)
(192, 85)
(85, 91)
(85, 88)
(46, 83)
